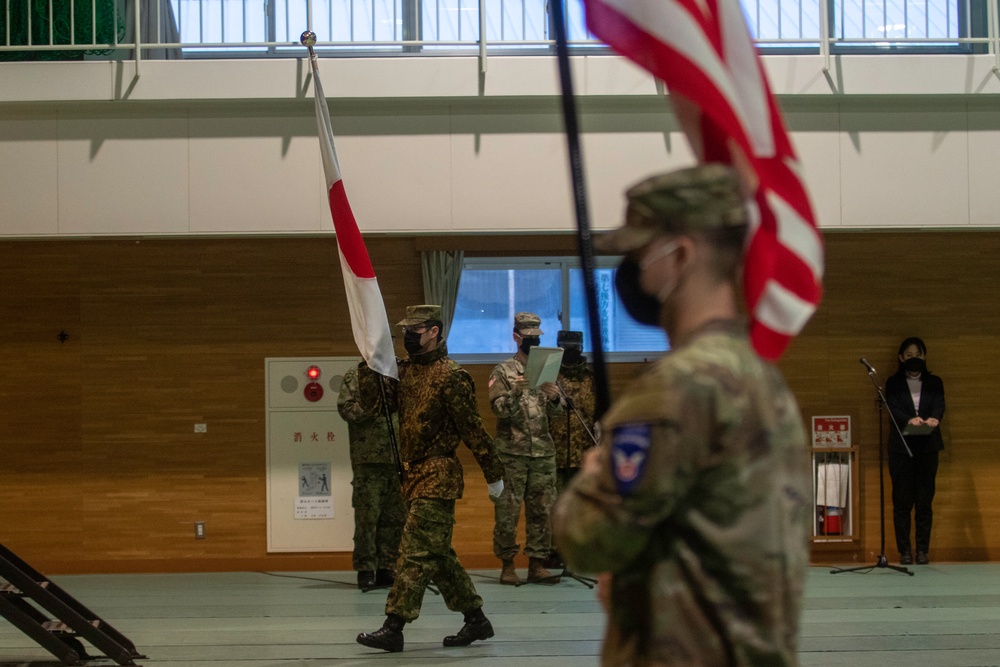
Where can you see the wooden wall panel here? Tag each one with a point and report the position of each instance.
(881, 288)
(101, 470)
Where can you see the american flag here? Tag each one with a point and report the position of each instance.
(364, 299)
(702, 51)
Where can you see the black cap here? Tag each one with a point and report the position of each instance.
(569, 338)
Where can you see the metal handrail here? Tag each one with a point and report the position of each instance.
(825, 42)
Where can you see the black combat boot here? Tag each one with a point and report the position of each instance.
(554, 560)
(384, 578)
(477, 626)
(389, 637)
(366, 580)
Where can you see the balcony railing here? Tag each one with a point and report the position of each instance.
(137, 29)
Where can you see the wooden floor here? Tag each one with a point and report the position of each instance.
(944, 616)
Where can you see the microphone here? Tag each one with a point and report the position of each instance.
(867, 365)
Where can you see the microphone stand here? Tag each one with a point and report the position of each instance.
(881, 562)
(586, 581)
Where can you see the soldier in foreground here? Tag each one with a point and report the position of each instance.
(695, 508)
(436, 401)
(528, 455)
(375, 496)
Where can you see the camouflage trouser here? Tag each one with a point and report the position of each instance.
(533, 481)
(378, 516)
(426, 556)
(563, 475)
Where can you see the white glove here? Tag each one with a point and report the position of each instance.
(495, 488)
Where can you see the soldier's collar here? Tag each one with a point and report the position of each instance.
(436, 354)
(734, 326)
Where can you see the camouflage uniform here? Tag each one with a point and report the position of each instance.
(436, 401)
(699, 502)
(375, 496)
(528, 456)
(709, 544)
(569, 435)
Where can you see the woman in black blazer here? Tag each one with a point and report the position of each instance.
(916, 399)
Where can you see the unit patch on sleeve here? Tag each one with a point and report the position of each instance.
(629, 450)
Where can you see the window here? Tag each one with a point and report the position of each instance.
(367, 25)
(374, 26)
(493, 289)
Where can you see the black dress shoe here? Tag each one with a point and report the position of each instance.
(388, 638)
(472, 630)
(922, 558)
(906, 558)
(385, 578)
(366, 580)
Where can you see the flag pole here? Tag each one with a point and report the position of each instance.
(585, 242)
(308, 40)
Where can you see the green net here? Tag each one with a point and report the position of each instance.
(59, 22)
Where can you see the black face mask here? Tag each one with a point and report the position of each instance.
(642, 307)
(915, 365)
(528, 342)
(572, 356)
(411, 342)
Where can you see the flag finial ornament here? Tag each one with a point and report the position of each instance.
(308, 38)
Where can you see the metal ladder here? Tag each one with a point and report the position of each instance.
(72, 621)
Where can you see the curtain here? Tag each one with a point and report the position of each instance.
(156, 25)
(442, 274)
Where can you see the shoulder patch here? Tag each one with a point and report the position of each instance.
(629, 452)
(493, 378)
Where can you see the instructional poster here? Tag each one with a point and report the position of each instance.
(315, 500)
(314, 479)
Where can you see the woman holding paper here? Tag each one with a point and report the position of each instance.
(916, 401)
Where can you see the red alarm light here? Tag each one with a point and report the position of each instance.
(313, 372)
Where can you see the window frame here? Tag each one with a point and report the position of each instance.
(564, 263)
(408, 17)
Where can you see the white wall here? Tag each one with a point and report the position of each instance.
(428, 145)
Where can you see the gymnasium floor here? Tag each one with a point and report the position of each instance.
(944, 616)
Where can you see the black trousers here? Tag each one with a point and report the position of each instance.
(913, 491)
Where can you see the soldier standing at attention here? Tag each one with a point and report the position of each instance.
(436, 401)
(573, 434)
(528, 456)
(375, 497)
(696, 506)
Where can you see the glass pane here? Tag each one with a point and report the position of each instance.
(487, 301)
(362, 21)
(620, 332)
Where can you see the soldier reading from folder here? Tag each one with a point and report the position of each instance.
(528, 454)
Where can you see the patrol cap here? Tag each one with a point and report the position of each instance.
(527, 324)
(569, 338)
(704, 197)
(420, 314)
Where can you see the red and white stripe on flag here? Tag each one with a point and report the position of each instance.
(364, 299)
(702, 51)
